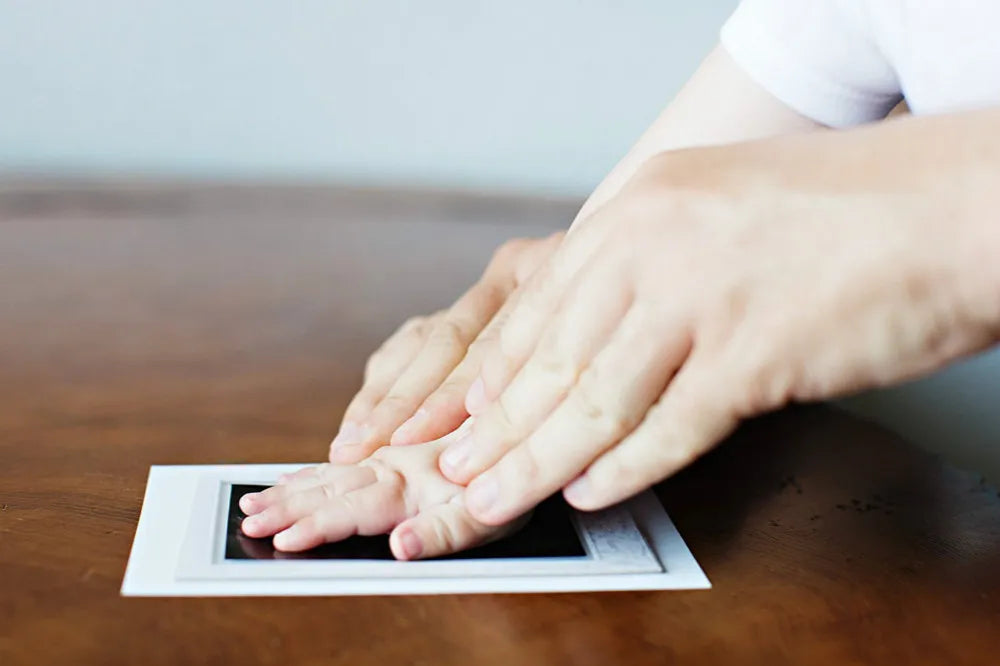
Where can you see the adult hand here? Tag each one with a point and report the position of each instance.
(719, 284)
(415, 384)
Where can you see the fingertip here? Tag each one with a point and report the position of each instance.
(475, 397)
(291, 539)
(405, 544)
(579, 494)
(280, 542)
(452, 461)
(483, 501)
(411, 430)
(248, 503)
(251, 527)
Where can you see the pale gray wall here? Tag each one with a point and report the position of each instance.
(532, 96)
(540, 96)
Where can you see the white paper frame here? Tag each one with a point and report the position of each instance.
(610, 538)
(170, 497)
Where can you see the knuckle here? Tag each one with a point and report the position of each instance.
(361, 406)
(484, 343)
(525, 468)
(764, 389)
(607, 420)
(502, 416)
(377, 459)
(515, 341)
(535, 255)
(276, 514)
(506, 342)
(495, 370)
(509, 250)
(448, 397)
(449, 333)
(414, 325)
(347, 505)
(376, 365)
(560, 370)
(393, 403)
(314, 525)
(448, 536)
(553, 239)
(605, 478)
(384, 472)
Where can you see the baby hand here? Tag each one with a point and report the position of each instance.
(396, 489)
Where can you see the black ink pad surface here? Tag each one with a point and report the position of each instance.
(549, 533)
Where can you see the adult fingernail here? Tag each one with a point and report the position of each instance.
(350, 434)
(578, 490)
(455, 455)
(482, 494)
(475, 398)
(404, 434)
(411, 544)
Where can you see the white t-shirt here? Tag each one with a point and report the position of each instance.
(845, 62)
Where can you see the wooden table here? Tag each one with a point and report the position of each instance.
(161, 323)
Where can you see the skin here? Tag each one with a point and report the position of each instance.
(421, 383)
(396, 490)
(416, 383)
(696, 288)
(726, 282)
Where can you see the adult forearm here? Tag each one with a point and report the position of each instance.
(943, 172)
(718, 105)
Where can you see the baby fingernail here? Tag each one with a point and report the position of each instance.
(455, 455)
(475, 399)
(250, 523)
(404, 433)
(247, 501)
(286, 539)
(482, 494)
(350, 435)
(411, 544)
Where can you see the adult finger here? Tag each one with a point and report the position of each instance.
(538, 299)
(692, 416)
(444, 348)
(579, 329)
(381, 372)
(446, 406)
(609, 401)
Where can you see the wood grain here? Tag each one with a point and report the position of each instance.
(151, 323)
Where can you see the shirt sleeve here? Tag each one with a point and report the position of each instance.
(820, 57)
